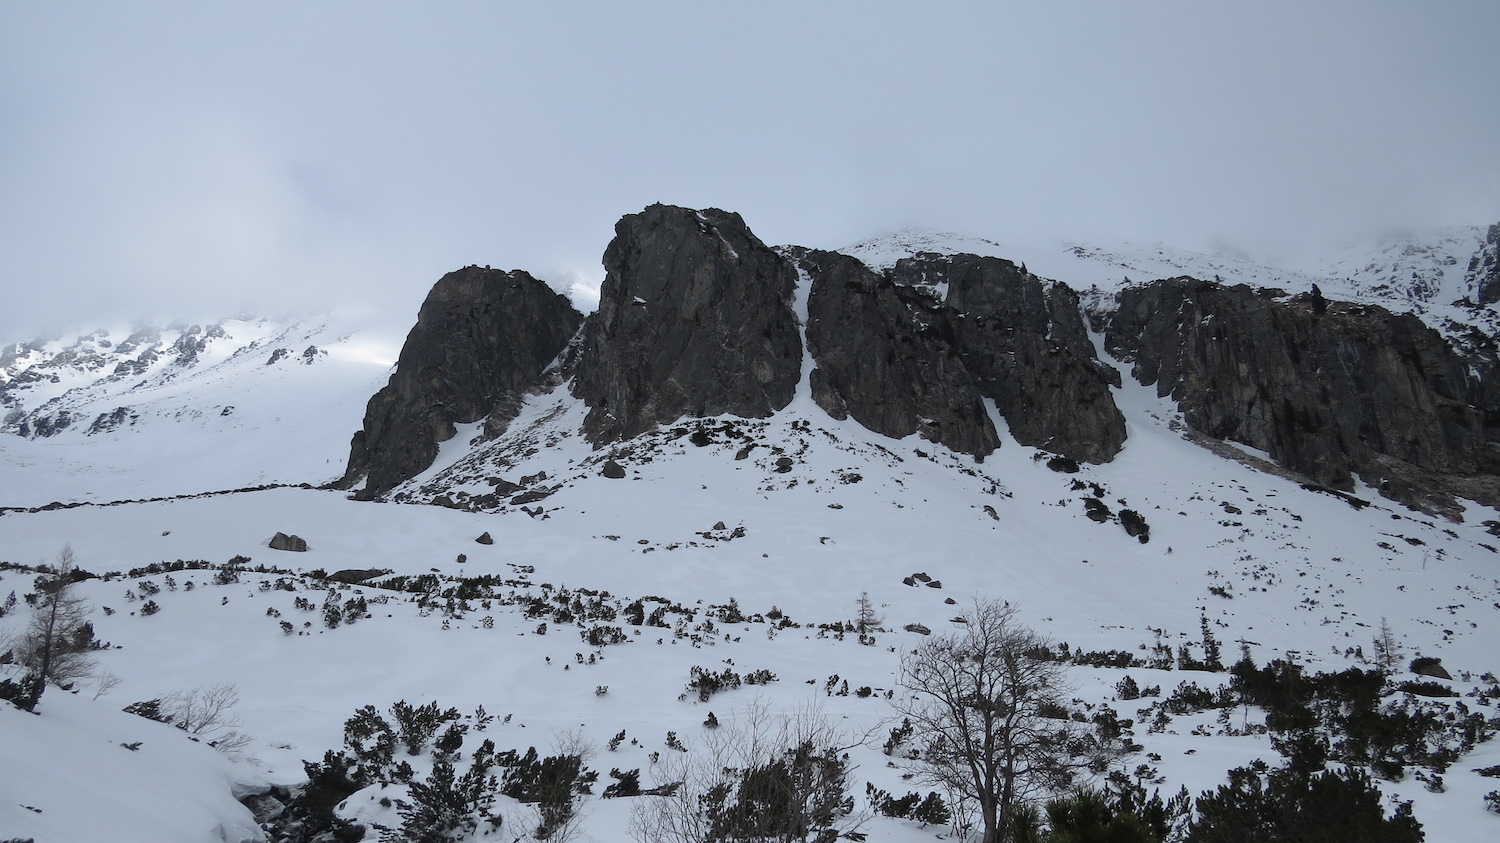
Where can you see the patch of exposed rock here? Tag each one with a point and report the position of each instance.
(1355, 391)
(483, 337)
(694, 319)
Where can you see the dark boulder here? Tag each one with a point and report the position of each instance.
(1357, 391)
(282, 541)
(485, 538)
(695, 319)
(483, 337)
(613, 470)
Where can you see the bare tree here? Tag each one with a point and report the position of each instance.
(56, 644)
(991, 728)
(104, 682)
(207, 712)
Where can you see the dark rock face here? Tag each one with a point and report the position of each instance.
(1355, 391)
(694, 319)
(1025, 344)
(1484, 268)
(899, 361)
(881, 356)
(482, 338)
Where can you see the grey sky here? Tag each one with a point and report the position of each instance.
(195, 159)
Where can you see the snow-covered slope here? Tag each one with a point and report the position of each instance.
(789, 519)
(1291, 573)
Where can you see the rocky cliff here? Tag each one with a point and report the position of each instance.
(1024, 342)
(1330, 390)
(482, 338)
(881, 355)
(917, 349)
(695, 319)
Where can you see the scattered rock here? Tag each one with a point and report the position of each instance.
(917, 628)
(485, 538)
(1063, 465)
(1096, 510)
(503, 486)
(282, 541)
(1135, 525)
(531, 496)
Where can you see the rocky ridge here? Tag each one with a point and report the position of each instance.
(697, 318)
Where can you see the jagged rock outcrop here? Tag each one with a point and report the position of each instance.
(1356, 391)
(881, 356)
(482, 338)
(1025, 344)
(695, 319)
(1484, 268)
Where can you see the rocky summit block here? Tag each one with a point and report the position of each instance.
(695, 319)
(483, 337)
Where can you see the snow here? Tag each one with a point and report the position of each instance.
(71, 774)
(1308, 577)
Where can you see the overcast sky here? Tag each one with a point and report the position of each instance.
(193, 160)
